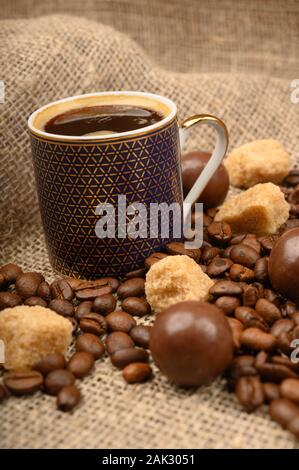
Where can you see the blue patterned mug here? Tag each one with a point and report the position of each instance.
(76, 174)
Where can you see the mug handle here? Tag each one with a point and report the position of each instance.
(215, 159)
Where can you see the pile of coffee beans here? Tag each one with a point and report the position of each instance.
(98, 327)
(263, 323)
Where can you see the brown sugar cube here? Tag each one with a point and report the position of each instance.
(31, 333)
(261, 209)
(175, 279)
(260, 161)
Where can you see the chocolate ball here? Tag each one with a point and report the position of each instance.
(216, 190)
(191, 343)
(283, 266)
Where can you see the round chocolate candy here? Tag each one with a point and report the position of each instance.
(191, 343)
(283, 266)
(216, 190)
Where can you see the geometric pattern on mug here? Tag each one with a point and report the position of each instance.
(74, 178)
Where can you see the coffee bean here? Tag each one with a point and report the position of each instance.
(81, 364)
(295, 318)
(237, 239)
(226, 251)
(131, 288)
(93, 323)
(293, 427)
(257, 340)
(261, 269)
(90, 343)
(32, 301)
(250, 318)
(284, 342)
(137, 372)
(218, 266)
(63, 307)
(3, 281)
(225, 288)
(228, 304)
(275, 372)
(9, 300)
(4, 393)
(244, 255)
(271, 391)
(293, 177)
(154, 258)
(237, 328)
(140, 334)
(10, 271)
(57, 379)
(23, 383)
(83, 308)
(248, 239)
(203, 268)
(28, 283)
(288, 309)
(120, 321)
(250, 296)
(123, 357)
(209, 253)
(118, 340)
(68, 397)
(91, 294)
(136, 273)
(283, 411)
(177, 248)
(79, 284)
(294, 210)
(252, 241)
(289, 388)
(61, 289)
(281, 326)
(250, 392)
(50, 362)
(136, 306)
(267, 243)
(291, 223)
(268, 311)
(272, 297)
(286, 361)
(219, 233)
(261, 358)
(113, 282)
(104, 304)
(239, 273)
(44, 291)
(242, 366)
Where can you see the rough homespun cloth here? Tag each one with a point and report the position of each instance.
(53, 57)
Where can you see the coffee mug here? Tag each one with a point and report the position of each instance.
(76, 174)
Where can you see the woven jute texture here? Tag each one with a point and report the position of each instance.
(53, 57)
(193, 35)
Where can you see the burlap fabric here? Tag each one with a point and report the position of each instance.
(193, 35)
(53, 57)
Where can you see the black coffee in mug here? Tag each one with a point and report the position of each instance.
(104, 119)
